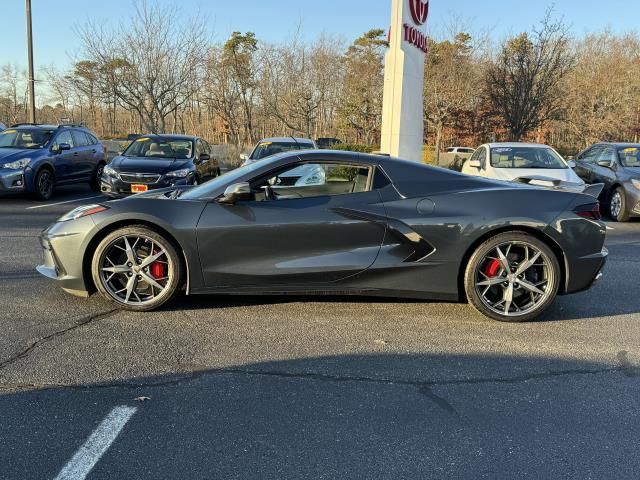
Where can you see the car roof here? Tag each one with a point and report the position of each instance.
(286, 139)
(620, 144)
(516, 145)
(173, 136)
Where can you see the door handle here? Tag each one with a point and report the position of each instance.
(75, 154)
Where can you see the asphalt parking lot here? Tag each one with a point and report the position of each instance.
(311, 387)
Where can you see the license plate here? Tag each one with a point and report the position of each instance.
(139, 188)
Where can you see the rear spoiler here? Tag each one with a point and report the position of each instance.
(537, 180)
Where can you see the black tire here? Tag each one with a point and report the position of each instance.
(618, 206)
(550, 271)
(95, 178)
(44, 184)
(174, 272)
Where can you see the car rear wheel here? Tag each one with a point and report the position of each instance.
(137, 268)
(512, 277)
(618, 206)
(44, 183)
(97, 175)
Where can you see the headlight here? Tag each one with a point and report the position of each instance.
(179, 173)
(84, 211)
(18, 164)
(636, 183)
(109, 171)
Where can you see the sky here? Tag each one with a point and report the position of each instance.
(55, 40)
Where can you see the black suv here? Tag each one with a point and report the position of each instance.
(36, 158)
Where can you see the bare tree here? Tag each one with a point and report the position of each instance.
(159, 60)
(524, 82)
(452, 84)
(361, 103)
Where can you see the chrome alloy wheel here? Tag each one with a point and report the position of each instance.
(514, 279)
(135, 269)
(616, 204)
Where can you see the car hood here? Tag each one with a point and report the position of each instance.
(12, 154)
(146, 165)
(564, 174)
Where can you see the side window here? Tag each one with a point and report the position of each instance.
(79, 138)
(481, 156)
(92, 140)
(64, 137)
(380, 180)
(199, 148)
(592, 155)
(313, 180)
(607, 155)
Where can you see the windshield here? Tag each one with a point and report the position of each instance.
(206, 189)
(526, 157)
(629, 156)
(267, 149)
(158, 147)
(33, 138)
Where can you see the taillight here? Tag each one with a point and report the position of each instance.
(591, 211)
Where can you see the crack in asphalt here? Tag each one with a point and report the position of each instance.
(424, 387)
(83, 321)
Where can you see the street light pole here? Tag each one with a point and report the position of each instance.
(31, 81)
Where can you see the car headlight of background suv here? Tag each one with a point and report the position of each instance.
(636, 183)
(179, 173)
(18, 164)
(109, 171)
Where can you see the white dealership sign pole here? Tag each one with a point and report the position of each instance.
(402, 110)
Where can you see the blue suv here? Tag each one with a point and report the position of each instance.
(37, 158)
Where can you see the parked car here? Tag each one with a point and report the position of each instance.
(617, 165)
(531, 162)
(461, 150)
(38, 158)
(159, 161)
(272, 146)
(328, 142)
(376, 226)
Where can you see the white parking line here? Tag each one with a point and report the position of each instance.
(96, 445)
(62, 203)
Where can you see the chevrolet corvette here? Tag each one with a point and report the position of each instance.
(335, 223)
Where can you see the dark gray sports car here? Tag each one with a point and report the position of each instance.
(347, 223)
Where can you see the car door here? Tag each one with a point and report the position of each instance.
(83, 155)
(585, 163)
(297, 232)
(606, 174)
(202, 165)
(64, 160)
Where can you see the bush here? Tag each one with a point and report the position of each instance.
(429, 155)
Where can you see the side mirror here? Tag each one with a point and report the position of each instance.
(475, 164)
(571, 164)
(204, 157)
(235, 193)
(606, 163)
(64, 146)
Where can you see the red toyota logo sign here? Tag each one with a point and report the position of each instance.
(419, 11)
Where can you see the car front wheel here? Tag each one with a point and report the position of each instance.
(137, 268)
(44, 184)
(512, 277)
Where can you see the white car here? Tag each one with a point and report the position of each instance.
(525, 162)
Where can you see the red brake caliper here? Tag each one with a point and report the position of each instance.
(491, 270)
(158, 269)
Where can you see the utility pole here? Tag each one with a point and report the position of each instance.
(31, 81)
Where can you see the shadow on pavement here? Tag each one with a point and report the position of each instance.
(351, 416)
